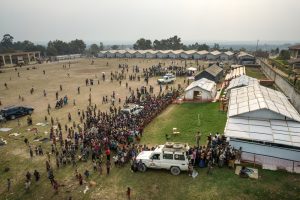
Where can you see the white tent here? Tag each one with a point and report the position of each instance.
(262, 121)
(203, 89)
(192, 69)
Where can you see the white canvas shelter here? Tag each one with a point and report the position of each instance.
(187, 54)
(101, 54)
(229, 54)
(202, 89)
(241, 81)
(120, 54)
(162, 54)
(223, 56)
(150, 54)
(139, 54)
(214, 55)
(130, 54)
(111, 54)
(192, 69)
(262, 121)
(235, 72)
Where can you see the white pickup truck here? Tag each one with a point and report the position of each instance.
(168, 78)
(171, 156)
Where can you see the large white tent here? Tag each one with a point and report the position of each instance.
(265, 125)
(241, 81)
(203, 89)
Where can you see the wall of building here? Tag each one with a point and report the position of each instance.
(283, 84)
(279, 152)
(205, 95)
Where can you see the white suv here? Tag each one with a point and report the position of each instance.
(171, 156)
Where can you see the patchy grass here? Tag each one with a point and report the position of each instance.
(184, 117)
(255, 73)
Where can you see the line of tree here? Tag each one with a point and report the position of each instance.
(53, 48)
(173, 43)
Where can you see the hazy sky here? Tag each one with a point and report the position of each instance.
(125, 21)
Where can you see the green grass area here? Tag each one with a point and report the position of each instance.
(282, 65)
(255, 73)
(184, 117)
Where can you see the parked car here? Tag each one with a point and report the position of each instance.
(132, 109)
(168, 78)
(171, 156)
(14, 112)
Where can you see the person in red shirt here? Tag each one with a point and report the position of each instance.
(107, 152)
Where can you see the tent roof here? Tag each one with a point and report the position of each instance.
(274, 131)
(256, 97)
(214, 70)
(203, 52)
(203, 83)
(229, 53)
(242, 80)
(215, 53)
(242, 54)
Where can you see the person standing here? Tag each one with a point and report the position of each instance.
(108, 164)
(198, 139)
(36, 175)
(8, 184)
(128, 193)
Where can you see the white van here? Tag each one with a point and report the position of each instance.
(170, 156)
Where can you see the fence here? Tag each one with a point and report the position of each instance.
(287, 88)
(273, 163)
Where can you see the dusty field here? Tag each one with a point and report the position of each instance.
(56, 76)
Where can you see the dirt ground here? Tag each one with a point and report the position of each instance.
(79, 70)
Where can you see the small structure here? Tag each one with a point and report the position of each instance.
(120, 54)
(213, 73)
(295, 56)
(265, 125)
(228, 55)
(111, 53)
(244, 58)
(130, 54)
(150, 54)
(101, 54)
(17, 58)
(162, 54)
(203, 90)
(139, 54)
(214, 55)
(236, 71)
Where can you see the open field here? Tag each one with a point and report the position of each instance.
(223, 184)
(185, 118)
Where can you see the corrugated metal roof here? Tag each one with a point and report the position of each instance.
(214, 70)
(242, 54)
(256, 97)
(203, 83)
(273, 131)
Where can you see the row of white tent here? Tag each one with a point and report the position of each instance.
(172, 54)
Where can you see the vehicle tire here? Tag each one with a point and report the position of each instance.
(12, 117)
(142, 168)
(175, 171)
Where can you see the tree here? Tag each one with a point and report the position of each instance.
(142, 44)
(51, 50)
(284, 55)
(216, 46)
(203, 47)
(114, 47)
(77, 46)
(94, 49)
(101, 47)
(6, 44)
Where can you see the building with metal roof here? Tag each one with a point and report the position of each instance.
(245, 58)
(203, 89)
(265, 124)
(214, 55)
(213, 73)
